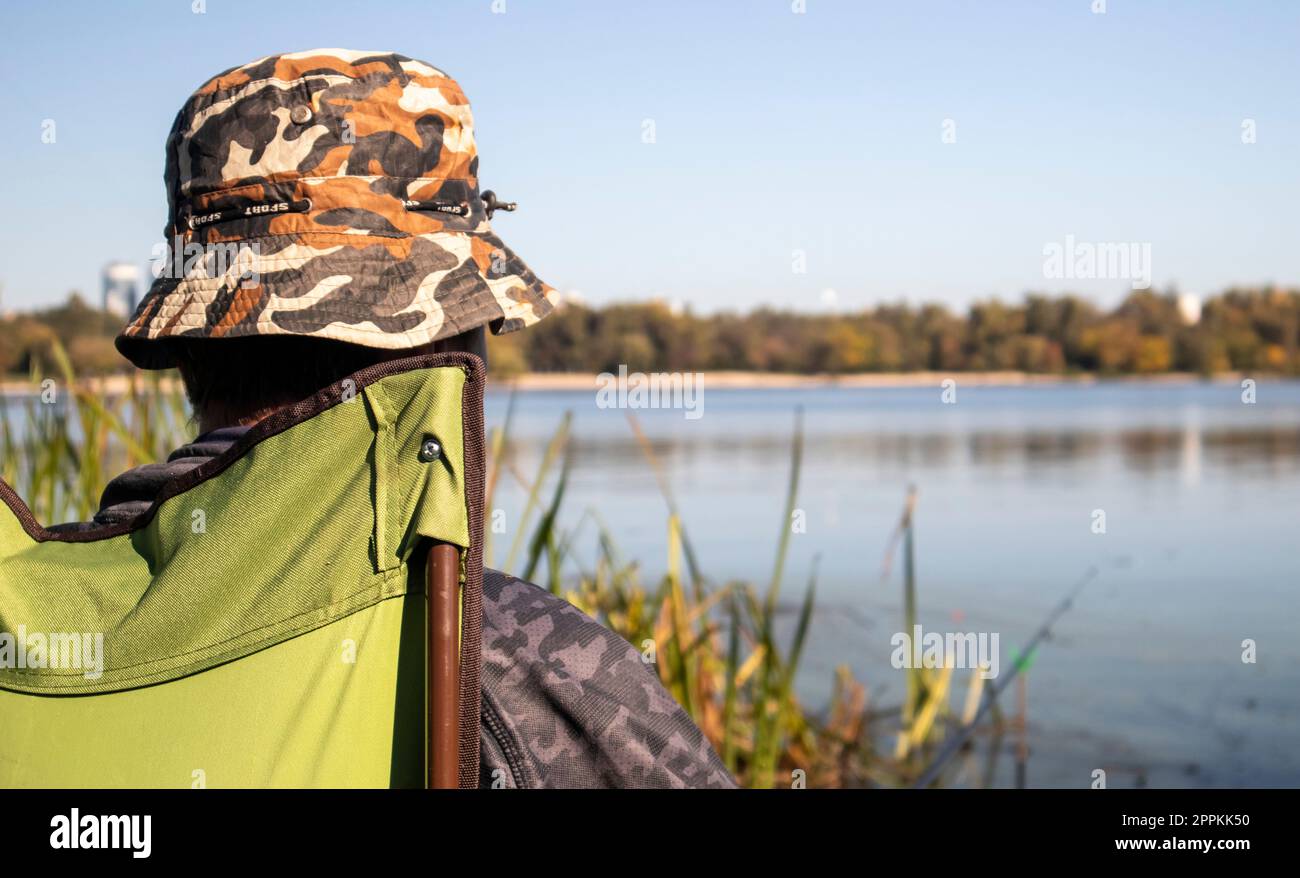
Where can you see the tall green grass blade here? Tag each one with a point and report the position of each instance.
(553, 449)
(544, 536)
(732, 669)
(496, 457)
(643, 441)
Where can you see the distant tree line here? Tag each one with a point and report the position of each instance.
(1256, 330)
(86, 333)
(1239, 330)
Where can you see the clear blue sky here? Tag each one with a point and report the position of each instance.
(775, 131)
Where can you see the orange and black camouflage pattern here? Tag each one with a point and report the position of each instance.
(353, 179)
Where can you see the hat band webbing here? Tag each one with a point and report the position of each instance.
(248, 210)
(459, 208)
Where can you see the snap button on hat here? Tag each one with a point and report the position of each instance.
(430, 450)
(300, 115)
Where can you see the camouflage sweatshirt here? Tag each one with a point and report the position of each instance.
(566, 702)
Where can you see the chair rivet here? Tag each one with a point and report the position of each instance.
(430, 451)
(300, 115)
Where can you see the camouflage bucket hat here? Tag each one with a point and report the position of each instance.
(329, 193)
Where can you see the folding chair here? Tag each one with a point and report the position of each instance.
(264, 623)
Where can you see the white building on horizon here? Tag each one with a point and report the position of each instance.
(120, 284)
(564, 298)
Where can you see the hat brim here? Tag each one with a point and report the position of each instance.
(367, 290)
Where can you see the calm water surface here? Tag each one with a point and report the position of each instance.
(1143, 677)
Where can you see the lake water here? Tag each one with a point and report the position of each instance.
(1144, 676)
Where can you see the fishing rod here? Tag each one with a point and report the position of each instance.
(931, 774)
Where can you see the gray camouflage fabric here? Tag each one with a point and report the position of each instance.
(566, 702)
(569, 703)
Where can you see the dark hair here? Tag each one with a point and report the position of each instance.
(231, 381)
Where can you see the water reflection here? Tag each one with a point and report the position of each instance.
(1199, 492)
(1267, 451)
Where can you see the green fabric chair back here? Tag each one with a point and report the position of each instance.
(263, 625)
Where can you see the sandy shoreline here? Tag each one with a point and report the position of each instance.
(115, 385)
(112, 385)
(542, 381)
